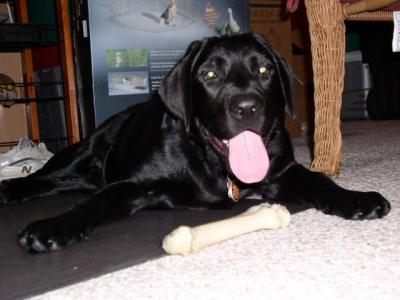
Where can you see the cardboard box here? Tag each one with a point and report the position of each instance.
(266, 19)
(303, 92)
(13, 120)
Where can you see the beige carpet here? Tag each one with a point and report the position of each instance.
(316, 257)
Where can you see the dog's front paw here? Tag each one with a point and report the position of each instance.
(372, 205)
(9, 194)
(4, 199)
(358, 206)
(48, 235)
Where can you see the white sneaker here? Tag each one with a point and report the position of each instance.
(24, 159)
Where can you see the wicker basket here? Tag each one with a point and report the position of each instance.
(327, 32)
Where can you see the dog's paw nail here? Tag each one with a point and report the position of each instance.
(358, 215)
(37, 246)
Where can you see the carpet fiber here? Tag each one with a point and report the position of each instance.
(316, 257)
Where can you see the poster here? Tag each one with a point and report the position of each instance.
(135, 43)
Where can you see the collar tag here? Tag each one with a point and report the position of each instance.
(233, 190)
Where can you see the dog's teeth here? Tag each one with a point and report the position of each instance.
(225, 142)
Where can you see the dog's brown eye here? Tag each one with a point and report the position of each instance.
(263, 70)
(209, 75)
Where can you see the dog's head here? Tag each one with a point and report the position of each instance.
(237, 88)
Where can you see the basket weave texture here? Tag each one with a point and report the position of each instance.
(327, 32)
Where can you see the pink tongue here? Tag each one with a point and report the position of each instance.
(248, 157)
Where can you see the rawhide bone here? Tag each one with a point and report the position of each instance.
(186, 240)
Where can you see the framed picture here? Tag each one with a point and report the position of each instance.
(134, 44)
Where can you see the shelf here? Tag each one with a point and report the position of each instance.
(15, 37)
(24, 37)
(49, 91)
(58, 141)
(29, 100)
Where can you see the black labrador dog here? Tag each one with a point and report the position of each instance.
(214, 135)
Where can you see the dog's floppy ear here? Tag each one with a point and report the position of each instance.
(175, 90)
(285, 77)
(284, 74)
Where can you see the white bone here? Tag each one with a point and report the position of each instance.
(186, 240)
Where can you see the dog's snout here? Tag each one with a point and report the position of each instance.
(245, 109)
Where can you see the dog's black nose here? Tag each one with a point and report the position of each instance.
(245, 109)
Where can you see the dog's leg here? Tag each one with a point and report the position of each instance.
(66, 171)
(117, 200)
(19, 190)
(301, 187)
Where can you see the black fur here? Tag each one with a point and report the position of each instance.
(163, 153)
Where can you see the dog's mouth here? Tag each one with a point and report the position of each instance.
(247, 155)
(222, 146)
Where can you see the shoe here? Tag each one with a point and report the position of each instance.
(24, 159)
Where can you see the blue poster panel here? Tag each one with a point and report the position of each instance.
(134, 43)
